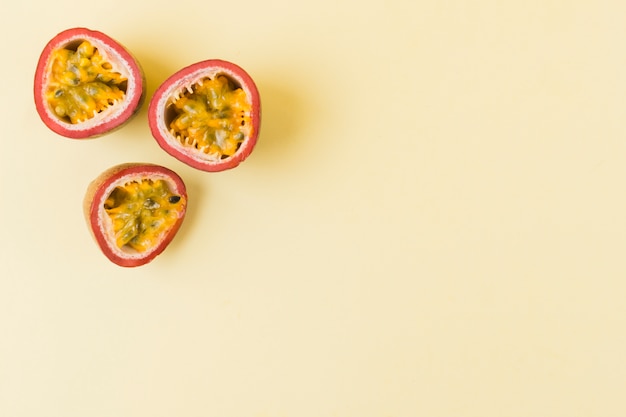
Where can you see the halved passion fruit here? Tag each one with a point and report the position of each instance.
(134, 211)
(87, 84)
(207, 115)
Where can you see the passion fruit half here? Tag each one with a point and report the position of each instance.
(87, 84)
(207, 115)
(134, 211)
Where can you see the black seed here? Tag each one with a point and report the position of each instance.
(58, 93)
(174, 199)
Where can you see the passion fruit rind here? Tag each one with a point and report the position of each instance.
(207, 115)
(87, 84)
(134, 210)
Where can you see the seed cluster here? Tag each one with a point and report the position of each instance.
(142, 211)
(82, 83)
(213, 116)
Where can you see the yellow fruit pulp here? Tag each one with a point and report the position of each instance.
(213, 117)
(82, 83)
(142, 211)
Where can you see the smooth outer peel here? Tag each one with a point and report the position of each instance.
(111, 118)
(97, 218)
(179, 83)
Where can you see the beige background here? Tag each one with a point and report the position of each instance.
(432, 224)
